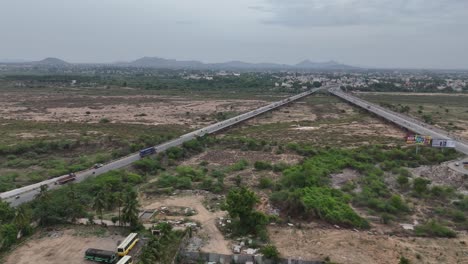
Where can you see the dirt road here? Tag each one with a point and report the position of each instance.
(216, 242)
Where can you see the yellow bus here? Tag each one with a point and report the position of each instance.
(127, 244)
(125, 260)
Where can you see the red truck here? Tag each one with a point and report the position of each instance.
(70, 177)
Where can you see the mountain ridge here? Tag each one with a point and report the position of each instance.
(162, 63)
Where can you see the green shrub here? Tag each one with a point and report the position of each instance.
(434, 229)
(240, 165)
(265, 183)
(270, 252)
(330, 205)
(262, 165)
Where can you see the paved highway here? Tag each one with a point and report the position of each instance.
(402, 120)
(28, 193)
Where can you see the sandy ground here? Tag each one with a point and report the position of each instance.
(228, 157)
(134, 109)
(216, 242)
(442, 175)
(346, 246)
(63, 246)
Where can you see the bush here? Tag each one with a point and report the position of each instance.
(270, 252)
(330, 205)
(265, 183)
(147, 165)
(240, 165)
(189, 172)
(104, 121)
(262, 165)
(434, 229)
(420, 185)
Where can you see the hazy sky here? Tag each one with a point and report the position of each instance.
(380, 33)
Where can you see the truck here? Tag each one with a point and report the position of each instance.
(70, 177)
(147, 151)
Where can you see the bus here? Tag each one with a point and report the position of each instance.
(125, 260)
(147, 151)
(99, 255)
(127, 244)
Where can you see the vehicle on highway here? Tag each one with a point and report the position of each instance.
(70, 177)
(99, 255)
(457, 163)
(127, 245)
(98, 165)
(125, 260)
(17, 197)
(147, 151)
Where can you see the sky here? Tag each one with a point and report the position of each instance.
(370, 33)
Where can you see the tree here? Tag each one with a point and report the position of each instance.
(22, 218)
(119, 199)
(240, 206)
(44, 194)
(6, 212)
(130, 209)
(420, 185)
(99, 203)
(8, 235)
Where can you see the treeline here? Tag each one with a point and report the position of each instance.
(110, 191)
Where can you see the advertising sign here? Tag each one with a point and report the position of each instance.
(418, 140)
(443, 143)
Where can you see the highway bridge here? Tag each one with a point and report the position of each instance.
(407, 122)
(27, 193)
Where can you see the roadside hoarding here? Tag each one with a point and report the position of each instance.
(443, 143)
(418, 140)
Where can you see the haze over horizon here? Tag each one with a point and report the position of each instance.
(398, 33)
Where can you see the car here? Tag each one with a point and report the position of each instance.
(17, 197)
(457, 163)
(98, 165)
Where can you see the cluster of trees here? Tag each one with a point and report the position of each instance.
(109, 191)
(161, 248)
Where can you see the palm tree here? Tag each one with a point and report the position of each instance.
(43, 193)
(22, 217)
(130, 209)
(119, 199)
(99, 203)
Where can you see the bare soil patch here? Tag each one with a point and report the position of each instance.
(346, 246)
(61, 246)
(442, 175)
(339, 179)
(132, 109)
(228, 157)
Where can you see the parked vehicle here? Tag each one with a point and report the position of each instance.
(127, 244)
(99, 255)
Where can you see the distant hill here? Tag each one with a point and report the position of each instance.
(307, 64)
(52, 62)
(161, 63)
(155, 62)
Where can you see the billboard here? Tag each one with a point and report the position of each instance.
(418, 140)
(443, 143)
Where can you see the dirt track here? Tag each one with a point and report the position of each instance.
(216, 242)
